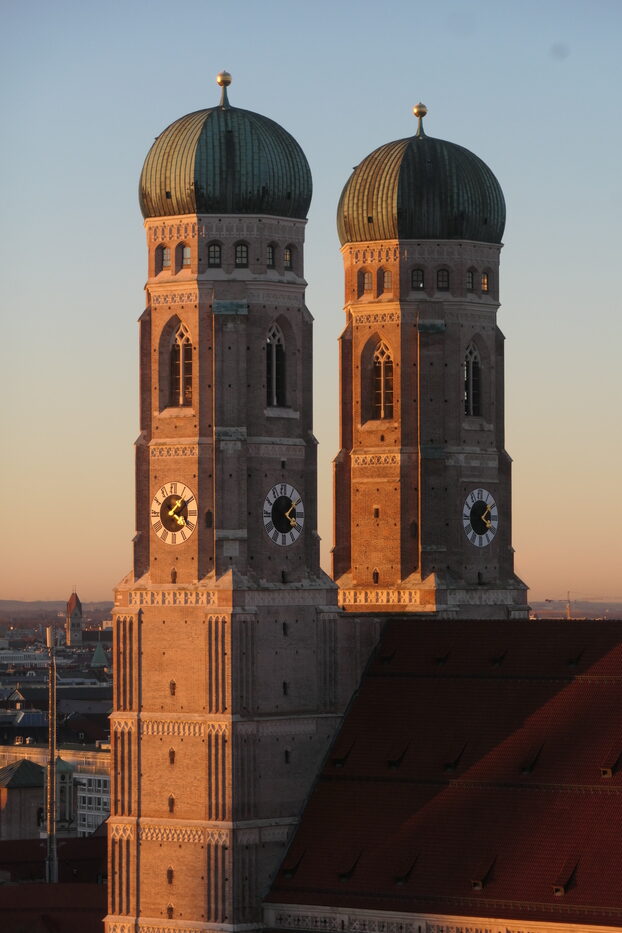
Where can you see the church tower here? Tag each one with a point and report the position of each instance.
(422, 480)
(73, 621)
(232, 661)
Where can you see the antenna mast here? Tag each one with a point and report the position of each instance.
(51, 861)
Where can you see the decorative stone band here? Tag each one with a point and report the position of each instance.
(279, 726)
(186, 728)
(188, 926)
(180, 833)
(185, 229)
(120, 926)
(120, 725)
(171, 597)
(406, 598)
(343, 920)
(367, 460)
(376, 254)
(122, 830)
(376, 317)
(174, 298)
(174, 450)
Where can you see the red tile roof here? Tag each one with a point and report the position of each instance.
(471, 777)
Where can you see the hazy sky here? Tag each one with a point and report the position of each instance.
(532, 88)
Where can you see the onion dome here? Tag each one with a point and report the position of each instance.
(225, 161)
(421, 188)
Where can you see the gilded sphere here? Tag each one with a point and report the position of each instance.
(223, 79)
(420, 110)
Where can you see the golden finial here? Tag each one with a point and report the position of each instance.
(223, 80)
(420, 111)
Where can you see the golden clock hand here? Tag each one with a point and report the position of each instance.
(485, 520)
(291, 507)
(177, 505)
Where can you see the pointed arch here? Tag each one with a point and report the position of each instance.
(364, 283)
(276, 395)
(472, 368)
(176, 365)
(376, 380)
(382, 403)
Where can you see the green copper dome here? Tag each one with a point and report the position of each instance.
(225, 161)
(421, 189)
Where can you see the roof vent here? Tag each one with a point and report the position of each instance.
(292, 864)
(531, 760)
(482, 872)
(451, 763)
(351, 862)
(610, 763)
(566, 877)
(395, 756)
(341, 753)
(405, 871)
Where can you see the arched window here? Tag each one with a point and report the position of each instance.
(442, 280)
(470, 280)
(241, 255)
(181, 368)
(214, 256)
(275, 368)
(365, 282)
(169, 911)
(472, 381)
(170, 874)
(185, 255)
(172, 688)
(171, 804)
(375, 576)
(484, 281)
(270, 256)
(288, 258)
(417, 279)
(385, 281)
(383, 382)
(171, 756)
(162, 258)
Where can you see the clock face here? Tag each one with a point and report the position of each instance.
(480, 517)
(283, 514)
(174, 513)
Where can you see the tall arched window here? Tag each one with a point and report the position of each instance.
(185, 255)
(275, 368)
(241, 255)
(417, 279)
(288, 257)
(385, 281)
(442, 280)
(383, 382)
(472, 382)
(162, 258)
(214, 256)
(181, 368)
(365, 282)
(271, 256)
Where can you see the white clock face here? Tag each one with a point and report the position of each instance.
(480, 517)
(283, 514)
(174, 513)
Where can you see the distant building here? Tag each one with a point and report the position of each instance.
(21, 799)
(73, 621)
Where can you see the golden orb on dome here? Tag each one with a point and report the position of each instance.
(420, 110)
(223, 79)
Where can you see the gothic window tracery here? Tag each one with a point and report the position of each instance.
(181, 368)
(472, 381)
(275, 368)
(382, 405)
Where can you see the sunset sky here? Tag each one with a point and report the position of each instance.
(532, 88)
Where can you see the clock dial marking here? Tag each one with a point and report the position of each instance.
(283, 514)
(480, 517)
(171, 515)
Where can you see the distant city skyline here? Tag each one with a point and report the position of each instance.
(533, 91)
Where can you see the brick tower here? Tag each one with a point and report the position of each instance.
(232, 661)
(422, 480)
